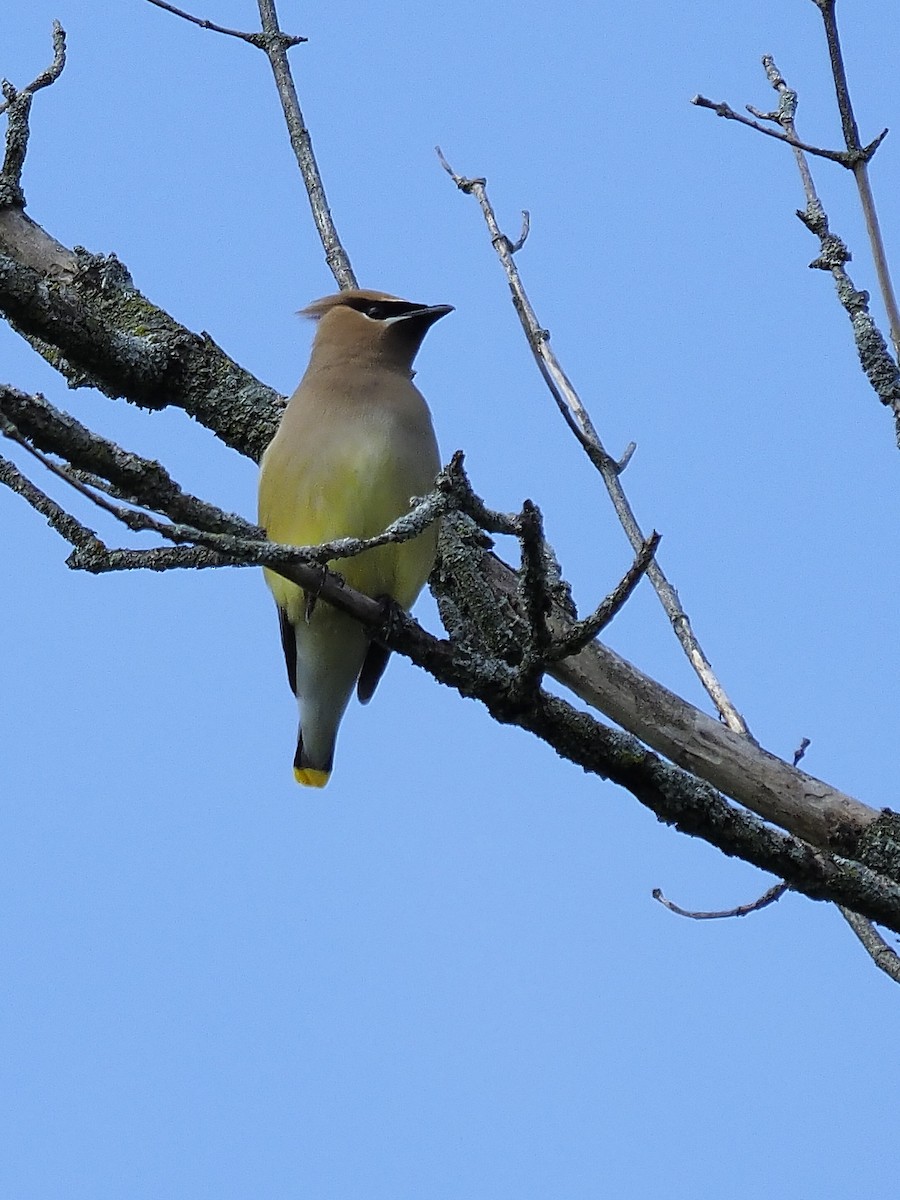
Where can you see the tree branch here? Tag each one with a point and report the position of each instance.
(880, 368)
(583, 632)
(873, 943)
(57, 518)
(99, 331)
(576, 416)
(768, 897)
(255, 39)
(860, 167)
(134, 479)
(722, 109)
(84, 315)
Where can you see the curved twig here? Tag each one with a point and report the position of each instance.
(742, 910)
(578, 419)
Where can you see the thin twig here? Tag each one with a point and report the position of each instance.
(67, 526)
(575, 414)
(742, 910)
(860, 168)
(301, 141)
(17, 105)
(99, 560)
(136, 520)
(801, 750)
(49, 74)
(787, 110)
(454, 482)
(253, 38)
(129, 476)
(876, 947)
(251, 548)
(534, 598)
(582, 632)
(275, 43)
(721, 109)
(880, 368)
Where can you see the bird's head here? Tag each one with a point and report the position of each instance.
(362, 324)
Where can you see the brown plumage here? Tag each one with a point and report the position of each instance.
(354, 445)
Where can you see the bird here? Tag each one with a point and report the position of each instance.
(355, 443)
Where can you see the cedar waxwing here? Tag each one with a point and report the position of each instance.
(354, 445)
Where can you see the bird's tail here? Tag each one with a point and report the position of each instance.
(305, 772)
(331, 649)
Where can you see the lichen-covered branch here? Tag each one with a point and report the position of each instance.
(884, 957)
(879, 366)
(135, 479)
(85, 317)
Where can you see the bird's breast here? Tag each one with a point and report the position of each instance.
(349, 470)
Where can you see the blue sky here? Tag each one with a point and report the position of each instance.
(444, 976)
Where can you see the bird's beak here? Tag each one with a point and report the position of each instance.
(424, 316)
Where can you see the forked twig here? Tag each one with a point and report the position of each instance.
(254, 39)
(879, 366)
(48, 76)
(582, 632)
(860, 167)
(722, 109)
(275, 44)
(578, 419)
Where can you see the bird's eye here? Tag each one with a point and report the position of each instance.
(377, 311)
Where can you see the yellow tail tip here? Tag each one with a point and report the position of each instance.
(310, 777)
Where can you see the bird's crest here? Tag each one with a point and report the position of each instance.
(357, 298)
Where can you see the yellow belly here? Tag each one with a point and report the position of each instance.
(357, 492)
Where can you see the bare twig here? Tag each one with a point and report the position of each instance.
(516, 246)
(880, 368)
(301, 141)
(574, 412)
(860, 168)
(49, 74)
(127, 476)
(57, 518)
(582, 632)
(742, 910)
(721, 109)
(100, 560)
(876, 947)
(801, 750)
(275, 43)
(17, 105)
(89, 552)
(135, 520)
(251, 547)
(254, 39)
(882, 374)
(454, 481)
